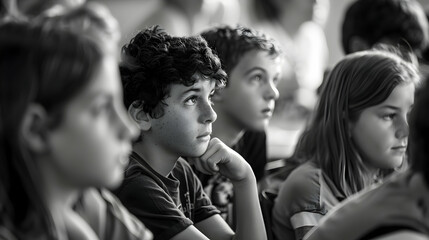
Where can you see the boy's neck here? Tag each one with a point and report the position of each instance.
(159, 159)
(227, 129)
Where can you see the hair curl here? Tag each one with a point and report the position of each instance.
(153, 60)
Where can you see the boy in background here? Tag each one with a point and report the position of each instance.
(252, 62)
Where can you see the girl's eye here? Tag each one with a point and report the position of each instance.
(191, 101)
(100, 108)
(389, 117)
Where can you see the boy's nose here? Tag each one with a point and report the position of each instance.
(208, 114)
(271, 92)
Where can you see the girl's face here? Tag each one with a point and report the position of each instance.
(381, 131)
(90, 147)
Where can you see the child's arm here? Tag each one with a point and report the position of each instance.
(250, 225)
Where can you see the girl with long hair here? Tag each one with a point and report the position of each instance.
(359, 131)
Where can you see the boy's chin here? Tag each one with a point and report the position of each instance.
(197, 152)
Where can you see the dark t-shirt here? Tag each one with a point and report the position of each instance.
(253, 148)
(166, 205)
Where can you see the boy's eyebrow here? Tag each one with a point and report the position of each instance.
(255, 68)
(192, 90)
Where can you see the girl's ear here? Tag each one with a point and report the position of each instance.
(34, 128)
(135, 110)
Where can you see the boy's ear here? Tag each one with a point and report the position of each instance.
(135, 110)
(357, 44)
(34, 128)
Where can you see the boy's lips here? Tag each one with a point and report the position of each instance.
(204, 136)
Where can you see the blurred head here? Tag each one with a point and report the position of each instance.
(253, 64)
(396, 22)
(61, 111)
(168, 83)
(90, 20)
(273, 9)
(360, 123)
(35, 8)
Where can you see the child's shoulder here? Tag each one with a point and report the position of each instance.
(305, 176)
(301, 190)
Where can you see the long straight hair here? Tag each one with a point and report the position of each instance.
(358, 81)
(44, 66)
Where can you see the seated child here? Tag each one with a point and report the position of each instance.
(359, 130)
(168, 86)
(61, 118)
(252, 62)
(398, 208)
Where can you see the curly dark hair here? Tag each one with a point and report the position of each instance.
(230, 44)
(401, 21)
(153, 60)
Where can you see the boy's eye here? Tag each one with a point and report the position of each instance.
(191, 101)
(210, 99)
(256, 78)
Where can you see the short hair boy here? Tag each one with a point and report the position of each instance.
(168, 85)
(253, 64)
(396, 22)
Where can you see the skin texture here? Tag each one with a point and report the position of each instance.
(187, 117)
(249, 99)
(381, 132)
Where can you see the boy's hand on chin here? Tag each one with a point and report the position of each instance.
(220, 158)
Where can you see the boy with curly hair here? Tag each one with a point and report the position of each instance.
(252, 62)
(168, 86)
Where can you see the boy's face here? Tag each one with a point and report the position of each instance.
(186, 125)
(252, 90)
